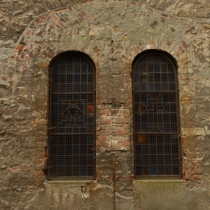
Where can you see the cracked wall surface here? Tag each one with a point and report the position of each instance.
(112, 33)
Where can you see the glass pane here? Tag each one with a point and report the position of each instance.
(155, 116)
(72, 137)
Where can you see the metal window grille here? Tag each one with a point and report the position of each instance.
(71, 153)
(156, 117)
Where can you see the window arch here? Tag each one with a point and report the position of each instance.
(71, 132)
(156, 115)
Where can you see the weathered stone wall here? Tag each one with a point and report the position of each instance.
(112, 33)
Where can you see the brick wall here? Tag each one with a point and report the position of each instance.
(112, 33)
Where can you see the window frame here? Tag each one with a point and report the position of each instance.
(175, 72)
(52, 65)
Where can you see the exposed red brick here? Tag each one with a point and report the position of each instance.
(102, 127)
(185, 44)
(39, 162)
(105, 121)
(122, 121)
(101, 138)
(15, 169)
(106, 132)
(20, 47)
(105, 112)
(124, 143)
(40, 173)
(196, 177)
(121, 132)
(89, 17)
(183, 138)
(152, 42)
(126, 116)
(101, 143)
(115, 111)
(38, 122)
(126, 126)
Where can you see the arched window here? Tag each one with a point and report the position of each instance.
(156, 115)
(71, 149)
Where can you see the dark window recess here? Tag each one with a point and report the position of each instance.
(71, 151)
(156, 117)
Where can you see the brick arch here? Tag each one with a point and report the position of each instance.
(169, 56)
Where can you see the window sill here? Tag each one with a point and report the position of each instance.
(160, 180)
(71, 182)
(68, 181)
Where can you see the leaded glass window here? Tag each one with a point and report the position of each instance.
(71, 151)
(156, 116)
